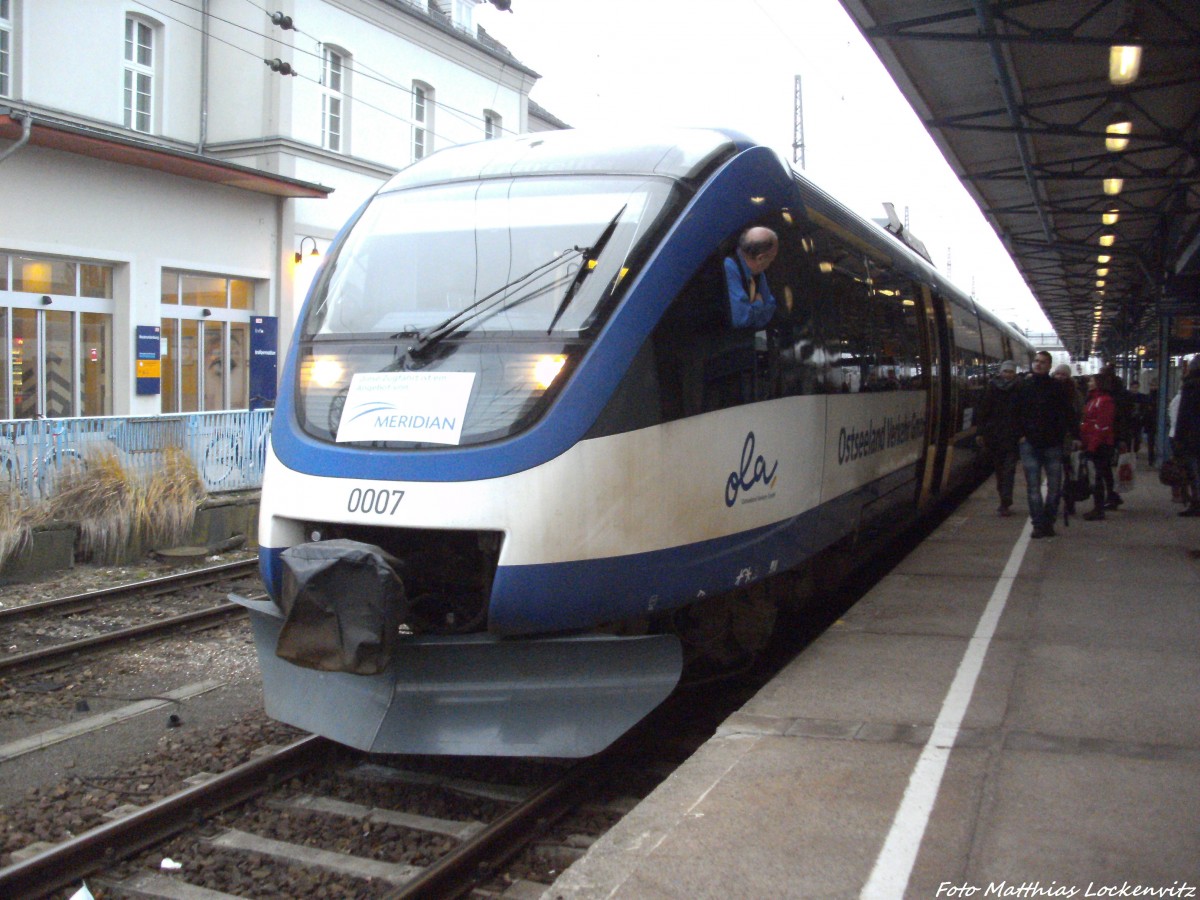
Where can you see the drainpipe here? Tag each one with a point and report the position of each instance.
(26, 121)
(203, 77)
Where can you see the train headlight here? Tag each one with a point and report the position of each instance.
(546, 369)
(326, 372)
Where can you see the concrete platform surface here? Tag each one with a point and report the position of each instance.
(999, 717)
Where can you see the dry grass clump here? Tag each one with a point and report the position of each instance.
(17, 520)
(118, 514)
(100, 497)
(166, 505)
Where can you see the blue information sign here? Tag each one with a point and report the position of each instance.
(149, 359)
(264, 350)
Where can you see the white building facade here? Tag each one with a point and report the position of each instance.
(163, 165)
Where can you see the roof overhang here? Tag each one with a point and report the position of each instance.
(1018, 98)
(55, 135)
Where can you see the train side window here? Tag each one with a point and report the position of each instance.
(993, 347)
(844, 333)
(894, 311)
(967, 360)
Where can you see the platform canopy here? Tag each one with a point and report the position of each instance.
(1019, 96)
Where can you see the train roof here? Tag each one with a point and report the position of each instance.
(682, 153)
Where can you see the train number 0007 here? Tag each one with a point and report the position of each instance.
(381, 502)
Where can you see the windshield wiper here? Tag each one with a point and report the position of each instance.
(590, 255)
(427, 339)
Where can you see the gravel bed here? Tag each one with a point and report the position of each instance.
(64, 810)
(113, 679)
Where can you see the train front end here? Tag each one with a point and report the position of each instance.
(456, 348)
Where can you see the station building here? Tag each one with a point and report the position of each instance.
(170, 173)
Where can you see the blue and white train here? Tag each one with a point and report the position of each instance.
(523, 469)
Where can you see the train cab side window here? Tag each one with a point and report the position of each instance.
(704, 362)
(687, 337)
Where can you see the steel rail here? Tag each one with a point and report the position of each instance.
(75, 602)
(67, 863)
(51, 655)
(454, 874)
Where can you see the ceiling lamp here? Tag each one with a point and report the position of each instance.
(1103, 258)
(1100, 282)
(1110, 216)
(1106, 240)
(1124, 63)
(1117, 135)
(1102, 272)
(1113, 183)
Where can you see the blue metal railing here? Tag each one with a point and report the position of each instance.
(228, 448)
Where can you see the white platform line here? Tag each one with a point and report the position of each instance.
(894, 865)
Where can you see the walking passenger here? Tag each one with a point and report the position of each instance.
(1045, 418)
(1187, 432)
(1062, 374)
(1125, 422)
(1098, 435)
(1147, 406)
(999, 431)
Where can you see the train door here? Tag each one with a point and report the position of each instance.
(939, 414)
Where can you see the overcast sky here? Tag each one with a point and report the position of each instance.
(732, 63)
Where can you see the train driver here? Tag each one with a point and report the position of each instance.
(751, 304)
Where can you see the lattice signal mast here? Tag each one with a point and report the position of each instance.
(798, 127)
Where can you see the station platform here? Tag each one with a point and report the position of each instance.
(998, 717)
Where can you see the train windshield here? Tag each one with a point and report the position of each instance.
(500, 285)
(491, 256)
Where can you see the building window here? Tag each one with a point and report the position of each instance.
(205, 341)
(58, 359)
(492, 125)
(6, 48)
(422, 119)
(464, 15)
(139, 74)
(333, 91)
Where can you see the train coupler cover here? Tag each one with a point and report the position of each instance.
(343, 603)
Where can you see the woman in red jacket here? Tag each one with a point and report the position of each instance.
(1098, 435)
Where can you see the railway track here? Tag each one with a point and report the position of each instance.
(312, 816)
(98, 615)
(151, 587)
(318, 819)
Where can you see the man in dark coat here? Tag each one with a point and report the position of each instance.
(999, 431)
(1044, 420)
(1186, 443)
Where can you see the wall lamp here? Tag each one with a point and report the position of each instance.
(313, 252)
